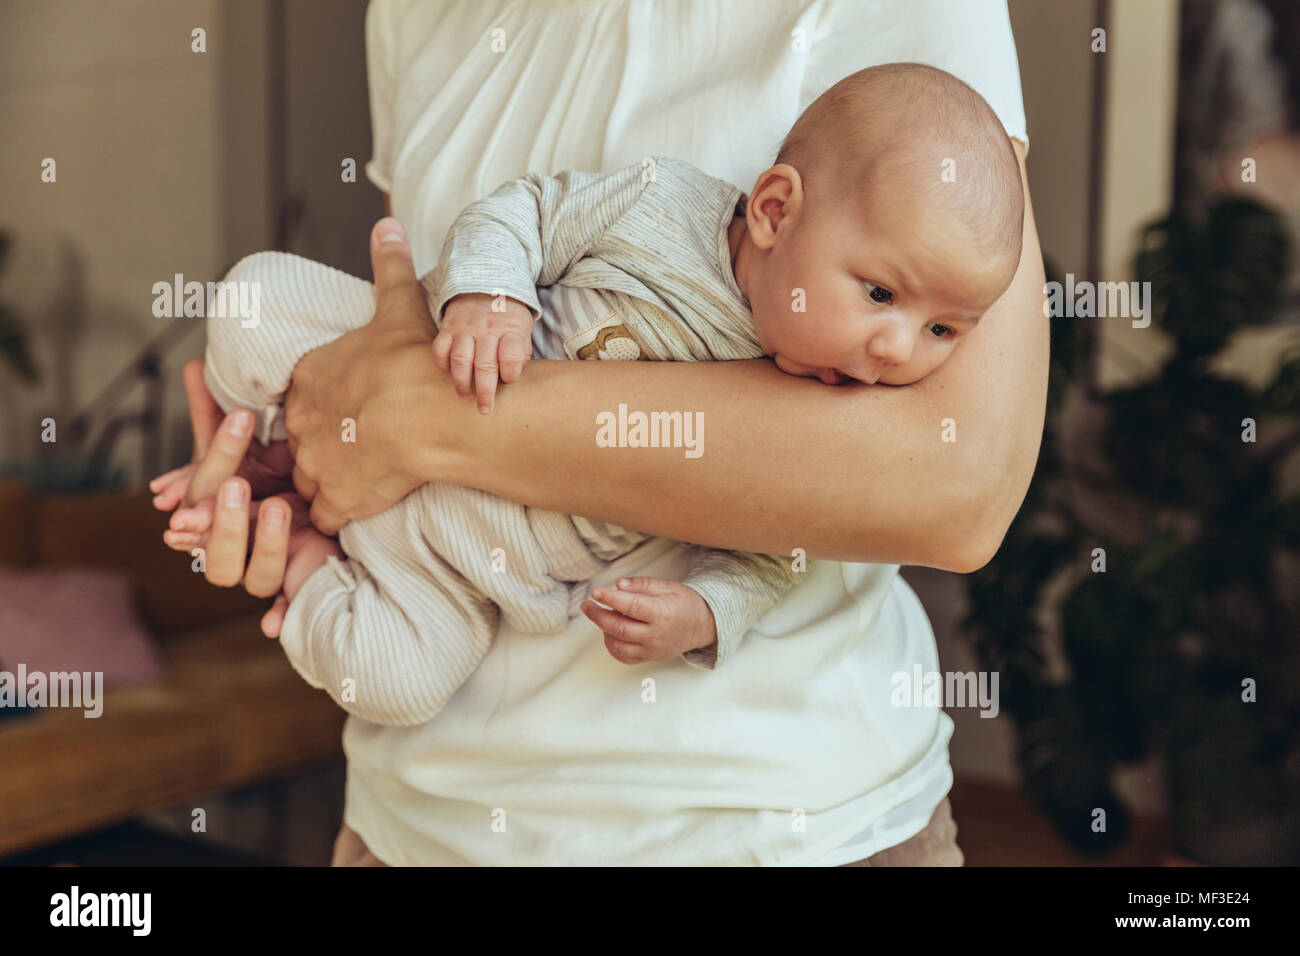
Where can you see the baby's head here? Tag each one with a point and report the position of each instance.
(891, 220)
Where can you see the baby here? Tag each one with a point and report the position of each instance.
(890, 221)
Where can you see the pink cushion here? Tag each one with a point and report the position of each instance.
(73, 619)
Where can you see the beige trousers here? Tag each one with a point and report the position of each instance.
(936, 845)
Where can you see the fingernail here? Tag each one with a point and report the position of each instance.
(624, 582)
(390, 230)
(240, 423)
(274, 518)
(232, 494)
(484, 409)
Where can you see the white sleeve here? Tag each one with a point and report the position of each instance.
(379, 77)
(971, 39)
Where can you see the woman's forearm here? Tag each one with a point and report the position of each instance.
(930, 474)
(856, 473)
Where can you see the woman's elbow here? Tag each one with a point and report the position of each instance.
(987, 515)
(977, 551)
(967, 546)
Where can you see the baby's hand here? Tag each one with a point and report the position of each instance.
(652, 619)
(477, 343)
(169, 489)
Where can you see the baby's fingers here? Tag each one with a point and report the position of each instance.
(638, 606)
(486, 373)
(462, 365)
(196, 519)
(166, 479)
(514, 350)
(616, 625)
(184, 540)
(442, 344)
(169, 489)
(273, 620)
(157, 484)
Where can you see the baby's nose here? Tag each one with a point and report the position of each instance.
(892, 342)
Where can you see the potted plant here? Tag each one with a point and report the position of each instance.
(14, 349)
(1174, 626)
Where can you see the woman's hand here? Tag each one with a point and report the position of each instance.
(221, 449)
(372, 376)
(286, 549)
(218, 511)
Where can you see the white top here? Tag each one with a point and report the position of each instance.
(553, 752)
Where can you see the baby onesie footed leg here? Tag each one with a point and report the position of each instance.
(297, 305)
(392, 631)
(395, 628)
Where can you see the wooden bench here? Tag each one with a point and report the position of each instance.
(229, 710)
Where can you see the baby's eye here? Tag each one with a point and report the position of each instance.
(878, 293)
(940, 331)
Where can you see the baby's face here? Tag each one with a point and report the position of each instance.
(889, 286)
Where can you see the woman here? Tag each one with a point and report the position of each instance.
(792, 752)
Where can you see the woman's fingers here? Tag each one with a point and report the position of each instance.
(327, 519)
(302, 484)
(399, 299)
(390, 257)
(228, 540)
(223, 456)
(205, 413)
(265, 575)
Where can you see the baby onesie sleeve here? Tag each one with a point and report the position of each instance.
(530, 232)
(739, 587)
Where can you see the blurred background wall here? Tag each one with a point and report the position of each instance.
(167, 160)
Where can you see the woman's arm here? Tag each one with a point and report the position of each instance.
(858, 473)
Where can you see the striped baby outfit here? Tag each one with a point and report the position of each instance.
(627, 265)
